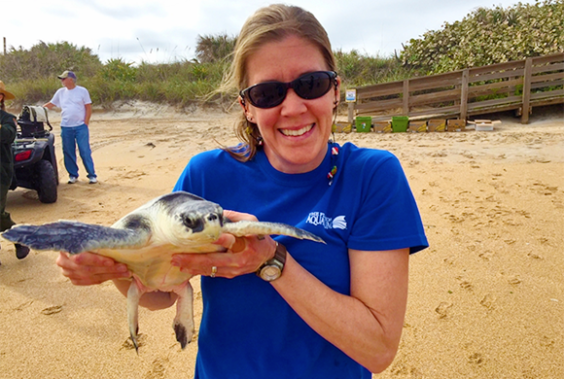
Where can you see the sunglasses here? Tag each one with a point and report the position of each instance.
(308, 86)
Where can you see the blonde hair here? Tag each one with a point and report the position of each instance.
(268, 24)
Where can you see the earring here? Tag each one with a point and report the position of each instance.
(250, 131)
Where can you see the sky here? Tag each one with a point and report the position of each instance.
(165, 31)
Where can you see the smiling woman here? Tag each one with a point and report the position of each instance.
(286, 308)
(294, 132)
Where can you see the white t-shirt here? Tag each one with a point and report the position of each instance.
(72, 102)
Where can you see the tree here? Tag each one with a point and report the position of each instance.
(211, 49)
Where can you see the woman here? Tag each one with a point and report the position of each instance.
(315, 311)
(7, 134)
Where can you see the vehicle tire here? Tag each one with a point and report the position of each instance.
(46, 182)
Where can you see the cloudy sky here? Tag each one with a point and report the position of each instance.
(166, 30)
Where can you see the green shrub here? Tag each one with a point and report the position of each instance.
(117, 69)
(48, 60)
(489, 36)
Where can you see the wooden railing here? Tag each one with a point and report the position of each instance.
(518, 85)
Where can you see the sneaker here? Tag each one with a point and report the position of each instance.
(21, 251)
(72, 180)
(93, 181)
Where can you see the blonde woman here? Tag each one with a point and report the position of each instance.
(287, 308)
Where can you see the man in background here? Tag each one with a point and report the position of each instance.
(76, 109)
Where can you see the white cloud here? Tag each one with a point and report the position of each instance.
(167, 30)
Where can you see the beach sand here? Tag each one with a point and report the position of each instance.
(486, 300)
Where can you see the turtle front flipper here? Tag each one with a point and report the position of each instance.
(75, 237)
(245, 228)
(184, 319)
(133, 296)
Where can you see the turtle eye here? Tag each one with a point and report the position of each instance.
(195, 224)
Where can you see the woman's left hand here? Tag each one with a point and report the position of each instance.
(244, 254)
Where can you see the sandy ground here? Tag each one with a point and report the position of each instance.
(486, 299)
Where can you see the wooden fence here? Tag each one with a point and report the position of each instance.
(518, 85)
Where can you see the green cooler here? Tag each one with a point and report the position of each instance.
(363, 124)
(399, 123)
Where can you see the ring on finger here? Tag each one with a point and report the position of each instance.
(213, 271)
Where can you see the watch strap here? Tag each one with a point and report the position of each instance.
(278, 260)
(279, 254)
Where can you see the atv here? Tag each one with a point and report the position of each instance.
(35, 164)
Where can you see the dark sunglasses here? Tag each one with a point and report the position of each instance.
(308, 86)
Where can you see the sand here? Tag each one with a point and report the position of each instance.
(486, 299)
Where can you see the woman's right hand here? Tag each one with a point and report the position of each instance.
(86, 268)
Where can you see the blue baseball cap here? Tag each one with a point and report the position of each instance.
(67, 74)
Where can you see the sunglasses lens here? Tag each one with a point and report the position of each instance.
(308, 87)
(312, 86)
(267, 95)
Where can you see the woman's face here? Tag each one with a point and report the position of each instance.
(295, 132)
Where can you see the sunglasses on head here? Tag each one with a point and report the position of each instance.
(308, 86)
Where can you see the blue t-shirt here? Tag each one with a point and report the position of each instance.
(248, 331)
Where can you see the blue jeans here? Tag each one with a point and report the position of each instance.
(72, 136)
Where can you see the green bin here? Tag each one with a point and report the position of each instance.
(399, 123)
(363, 124)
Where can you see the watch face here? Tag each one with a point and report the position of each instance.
(270, 273)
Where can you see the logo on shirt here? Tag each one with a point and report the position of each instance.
(319, 218)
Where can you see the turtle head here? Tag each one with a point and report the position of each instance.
(183, 219)
(201, 223)
(198, 223)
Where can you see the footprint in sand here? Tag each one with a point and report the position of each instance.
(534, 256)
(158, 368)
(52, 310)
(544, 189)
(476, 359)
(23, 306)
(488, 301)
(547, 341)
(442, 309)
(487, 255)
(464, 283)
(514, 280)
(558, 204)
(128, 345)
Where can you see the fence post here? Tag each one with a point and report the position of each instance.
(351, 113)
(406, 97)
(464, 94)
(527, 90)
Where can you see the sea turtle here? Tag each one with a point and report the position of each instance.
(145, 241)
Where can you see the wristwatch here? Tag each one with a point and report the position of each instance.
(272, 268)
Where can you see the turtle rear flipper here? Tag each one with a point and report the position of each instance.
(75, 237)
(184, 320)
(133, 296)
